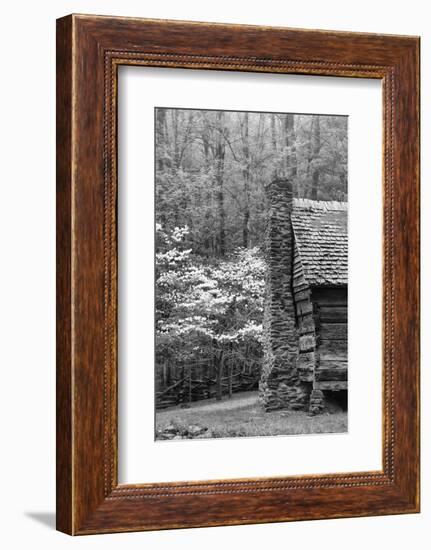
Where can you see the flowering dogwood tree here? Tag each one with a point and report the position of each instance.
(206, 309)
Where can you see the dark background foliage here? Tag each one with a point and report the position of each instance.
(212, 167)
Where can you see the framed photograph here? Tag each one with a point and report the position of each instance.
(237, 274)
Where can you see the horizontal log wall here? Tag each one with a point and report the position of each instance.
(330, 386)
(332, 336)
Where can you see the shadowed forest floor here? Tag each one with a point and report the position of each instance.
(242, 416)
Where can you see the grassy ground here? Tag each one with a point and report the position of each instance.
(242, 416)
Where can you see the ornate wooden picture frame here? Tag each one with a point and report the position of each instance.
(89, 51)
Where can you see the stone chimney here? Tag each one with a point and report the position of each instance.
(280, 387)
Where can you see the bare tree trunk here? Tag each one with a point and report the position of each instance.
(219, 374)
(176, 120)
(316, 151)
(310, 148)
(208, 193)
(286, 167)
(219, 163)
(274, 147)
(161, 138)
(290, 146)
(189, 396)
(246, 177)
(230, 380)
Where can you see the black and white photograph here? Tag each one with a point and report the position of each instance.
(211, 272)
(251, 274)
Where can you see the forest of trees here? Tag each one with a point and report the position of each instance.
(211, 172)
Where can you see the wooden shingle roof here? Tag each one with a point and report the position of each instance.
(320, 229)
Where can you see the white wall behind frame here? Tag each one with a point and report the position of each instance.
(141, 458)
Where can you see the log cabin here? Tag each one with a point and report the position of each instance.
(305, 321)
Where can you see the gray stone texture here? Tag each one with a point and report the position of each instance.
(280, 386)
